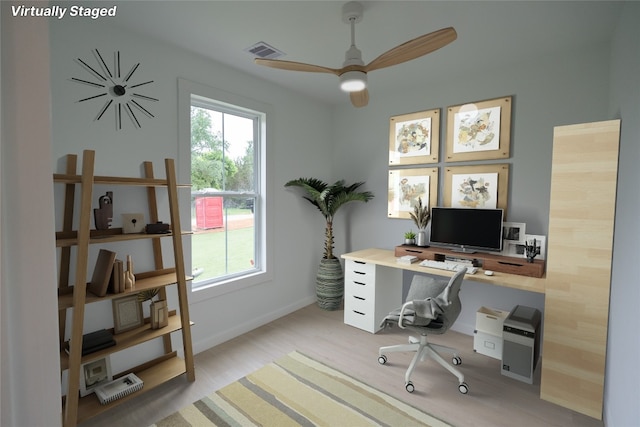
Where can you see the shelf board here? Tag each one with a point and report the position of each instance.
(128, 339)
(66, 239)
(147, 281)
(89, 406)
(115, 180)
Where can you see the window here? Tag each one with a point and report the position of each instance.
(226, 192)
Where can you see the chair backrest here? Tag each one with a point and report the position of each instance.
(423, 287)
(452, 294)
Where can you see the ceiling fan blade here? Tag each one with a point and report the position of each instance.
(359, 99)
(295, 66)
(413, 49)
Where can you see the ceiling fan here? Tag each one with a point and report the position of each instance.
(353, 74)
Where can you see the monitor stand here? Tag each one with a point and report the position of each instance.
(463, 250)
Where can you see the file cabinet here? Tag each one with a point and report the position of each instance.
(370, 292)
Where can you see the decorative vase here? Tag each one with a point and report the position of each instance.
(330, 284)
(158, 314)
(421, 238)
(409, 241)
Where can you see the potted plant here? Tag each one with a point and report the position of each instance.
(420, 216)
(409, 238)
(328, 198)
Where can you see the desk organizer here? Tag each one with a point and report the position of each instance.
(494, 262)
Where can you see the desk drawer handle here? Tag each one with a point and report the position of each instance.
(360, 298)
(510, 263)
(359, 272)
(358, 312)
(414, 251)
(360, 262)
(360, 283)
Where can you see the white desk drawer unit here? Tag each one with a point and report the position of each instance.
(370, 292)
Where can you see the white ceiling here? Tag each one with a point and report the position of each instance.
(490, 34)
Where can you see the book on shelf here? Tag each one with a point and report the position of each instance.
(102, 273)
(119, 388)
(116, 284)
(95, 341)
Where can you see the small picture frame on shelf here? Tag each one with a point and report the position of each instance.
(540, 242)
(513, 232)
(94, 374)
(127, 313)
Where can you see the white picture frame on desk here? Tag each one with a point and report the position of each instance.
(541, 243)
(513, 232)
(515, 249)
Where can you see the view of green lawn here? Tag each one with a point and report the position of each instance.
(212, 248)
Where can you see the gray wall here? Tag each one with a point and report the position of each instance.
(547, 92)
(622, 383)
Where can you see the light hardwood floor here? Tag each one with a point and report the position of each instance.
(493, 400)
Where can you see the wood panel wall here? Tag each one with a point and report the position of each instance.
(580, 249)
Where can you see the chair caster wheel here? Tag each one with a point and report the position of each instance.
(463, 388)
(409, 387)
(382, 359)
(456, 360)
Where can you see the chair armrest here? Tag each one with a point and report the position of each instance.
(406, 305)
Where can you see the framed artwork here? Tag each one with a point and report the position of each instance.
(127, 313)
(512, 249)
(479, 131)
(513, 232)
(541, 244)
(481, 186)
(406, 186)
(414, 138)
(94, 374)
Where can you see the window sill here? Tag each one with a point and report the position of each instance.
(235, 284)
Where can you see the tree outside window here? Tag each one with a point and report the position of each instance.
(225, 200)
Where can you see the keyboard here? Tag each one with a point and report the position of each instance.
(449, 266)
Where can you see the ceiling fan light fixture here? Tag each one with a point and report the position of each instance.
(353, 81)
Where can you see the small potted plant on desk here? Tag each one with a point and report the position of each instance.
(420, 216)
(409, 238)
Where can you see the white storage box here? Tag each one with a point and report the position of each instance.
(490, 320)
(487, 344)
(487, 337)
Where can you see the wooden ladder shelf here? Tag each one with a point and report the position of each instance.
(74, 295)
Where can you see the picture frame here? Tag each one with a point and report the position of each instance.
(127, 313)
(414, 138)
(477, 186)
(479, 130)
(94, 374)
(514, 232)
(515, 250)
(541, 243)
(406, 185)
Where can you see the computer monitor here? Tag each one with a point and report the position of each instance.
(467, 230)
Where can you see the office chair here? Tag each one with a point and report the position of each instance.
(432, 307)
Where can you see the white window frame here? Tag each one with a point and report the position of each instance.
(187, 90)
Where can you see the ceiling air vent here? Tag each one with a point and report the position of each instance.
(264, 51)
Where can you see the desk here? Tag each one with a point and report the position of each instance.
(373, 282)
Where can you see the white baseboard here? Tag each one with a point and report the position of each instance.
(249, 325)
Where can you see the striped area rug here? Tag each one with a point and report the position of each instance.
(298, 391)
